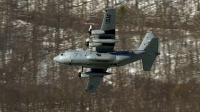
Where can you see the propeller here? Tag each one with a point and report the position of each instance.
(81, 68)
(89, 34)
(90, 30)
(79, 73)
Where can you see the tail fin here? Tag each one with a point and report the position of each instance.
(108, 24)
(150, 45)
(146, 40)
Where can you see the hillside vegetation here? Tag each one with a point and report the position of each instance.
(32, 32)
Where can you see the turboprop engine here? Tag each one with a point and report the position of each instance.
(82, 74)
(99, 42)
(87, 74)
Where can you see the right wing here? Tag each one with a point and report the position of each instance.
(108, 26)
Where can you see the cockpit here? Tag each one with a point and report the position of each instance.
(63, 57)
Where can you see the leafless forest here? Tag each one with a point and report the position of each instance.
(32, 32)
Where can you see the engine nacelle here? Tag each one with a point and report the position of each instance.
(93, 44)
(97, 32)
(81, 74)
(108, 41)
(96, 74)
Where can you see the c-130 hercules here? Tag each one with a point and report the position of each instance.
(105, 56)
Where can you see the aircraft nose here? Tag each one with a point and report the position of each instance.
(61, 58)
(56, 59)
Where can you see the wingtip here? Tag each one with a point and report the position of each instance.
(89, 91)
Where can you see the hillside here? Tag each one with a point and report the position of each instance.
(33, 32)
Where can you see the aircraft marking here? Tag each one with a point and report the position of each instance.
(91, 87)
(108, 18)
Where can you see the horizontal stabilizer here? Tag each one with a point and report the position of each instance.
(151, 53)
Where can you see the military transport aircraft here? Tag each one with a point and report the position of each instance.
(105, 56)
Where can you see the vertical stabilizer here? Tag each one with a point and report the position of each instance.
(146, 40)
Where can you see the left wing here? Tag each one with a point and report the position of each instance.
(95, 77)
(106, 40)
(93, 83)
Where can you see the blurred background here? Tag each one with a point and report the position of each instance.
(32, 32)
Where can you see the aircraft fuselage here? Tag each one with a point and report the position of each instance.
(93, 59)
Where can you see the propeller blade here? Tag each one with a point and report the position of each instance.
(90, 28)
(81, 68)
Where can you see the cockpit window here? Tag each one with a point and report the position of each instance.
(61, 54)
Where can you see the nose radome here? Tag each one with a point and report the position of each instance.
(55, 59)
(61, 58)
